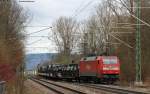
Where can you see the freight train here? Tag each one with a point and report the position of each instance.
(95, 68)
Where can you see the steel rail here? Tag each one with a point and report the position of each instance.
(109, 89)
(55, 90)
(66, 88)
(112, 89)
(99, 87)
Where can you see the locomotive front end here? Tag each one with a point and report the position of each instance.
(111, 68)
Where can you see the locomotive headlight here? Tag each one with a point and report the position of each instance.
(115, 68)
(106, 68)
(110, 68)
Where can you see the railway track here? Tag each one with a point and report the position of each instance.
(112, 89)
(58, 89)
(107, 88)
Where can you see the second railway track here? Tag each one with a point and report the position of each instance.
(112, 89)
(58, 89)
(99, 87)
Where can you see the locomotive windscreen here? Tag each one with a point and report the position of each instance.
(110, 60)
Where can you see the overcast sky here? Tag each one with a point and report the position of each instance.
(45, 12)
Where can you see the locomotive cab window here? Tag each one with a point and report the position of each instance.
(110, 61)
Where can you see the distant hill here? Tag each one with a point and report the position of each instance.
(32, 60)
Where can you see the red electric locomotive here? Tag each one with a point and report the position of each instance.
(96, 68)
(99, 68)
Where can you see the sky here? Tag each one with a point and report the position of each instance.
(42, 14)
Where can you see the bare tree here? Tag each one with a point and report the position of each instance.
(93, 37)
(64, 34)
(126, 16)
(98, 28)
(12, 18)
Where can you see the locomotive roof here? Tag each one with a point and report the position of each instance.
(92, 58)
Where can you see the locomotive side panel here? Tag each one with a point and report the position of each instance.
(88, 68)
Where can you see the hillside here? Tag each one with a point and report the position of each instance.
(32, 60)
